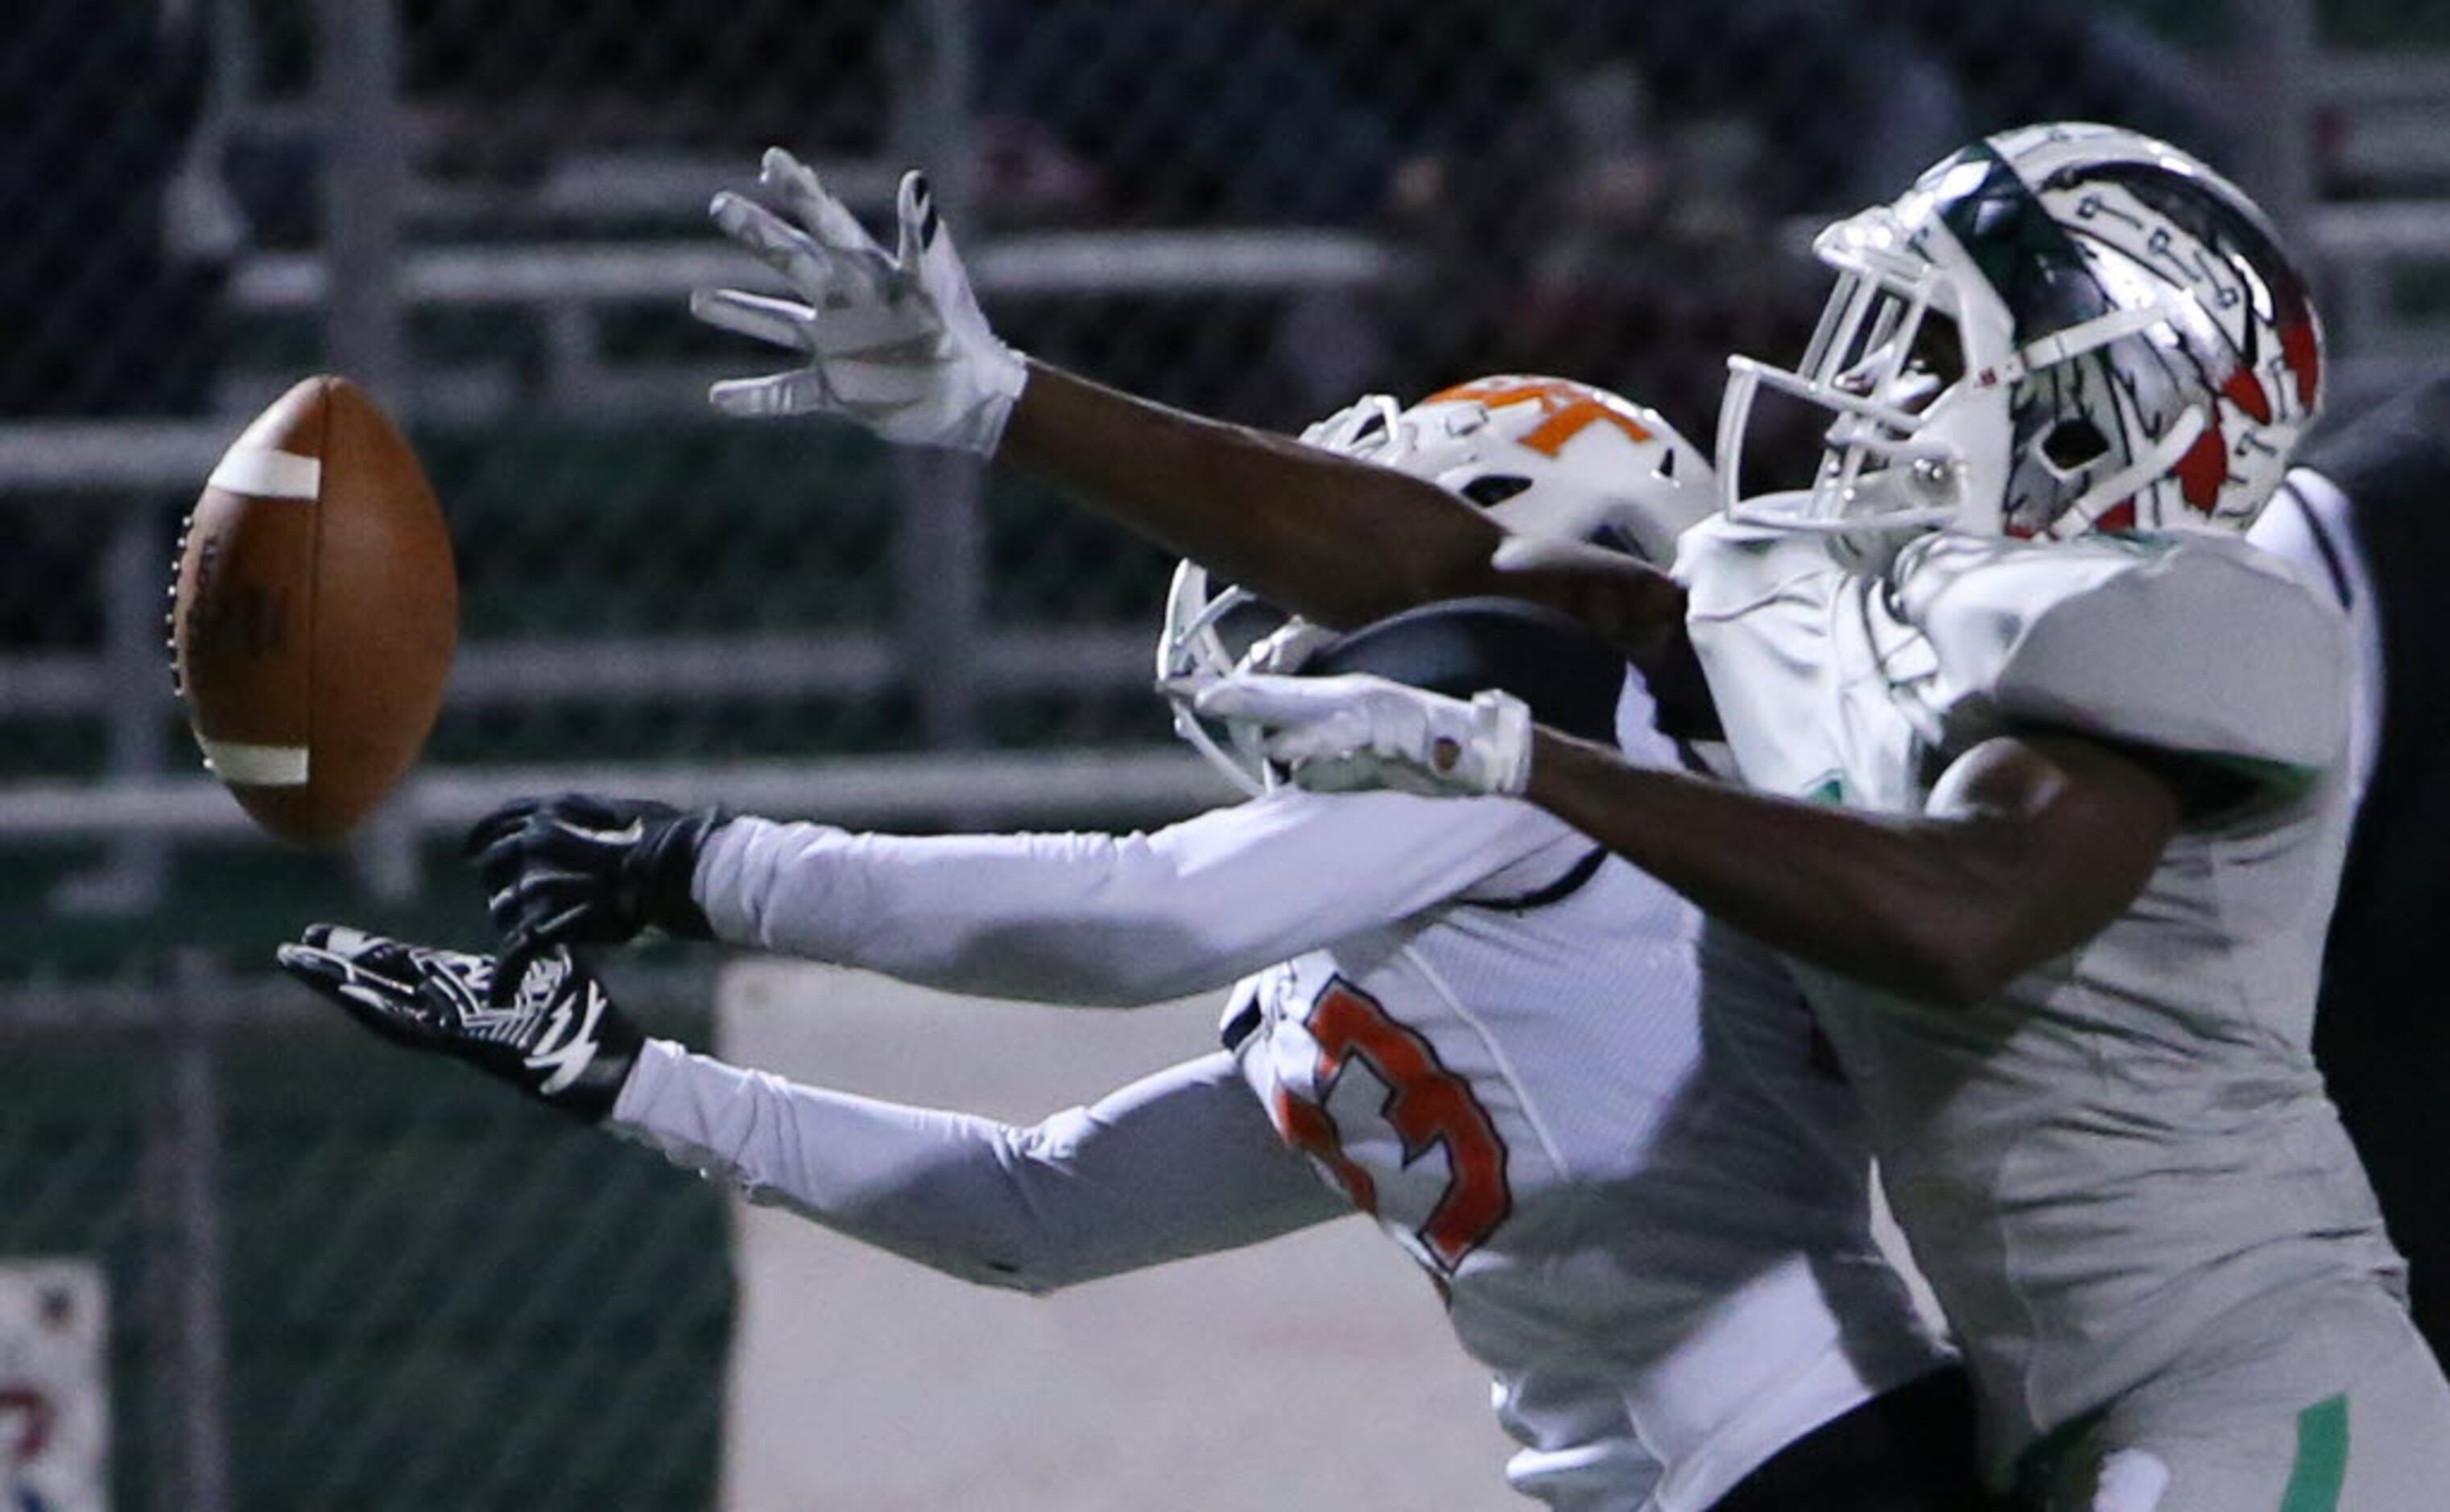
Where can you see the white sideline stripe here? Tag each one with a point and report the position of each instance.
(254, 765)
(259, 472)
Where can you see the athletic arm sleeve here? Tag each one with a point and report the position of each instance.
(1177, 1164)
(1103, 918)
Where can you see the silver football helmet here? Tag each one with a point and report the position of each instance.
(1548, 458)
(2059, 329)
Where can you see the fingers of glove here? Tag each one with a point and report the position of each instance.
(1333, 737)
(521, 949)
(827, 218)
(780, 245)
(364, 950)
(862, 272)
(376, 985)
(505, 904)
(1282, 702)
(501, 865)
(489, 831)
(1365, 771)
(1266, 698)
(914, 209)
(516, 855)
(928, 252)
(803, 391)
(553, 902)
(557, 905)
(1353, 773)
(780, 323)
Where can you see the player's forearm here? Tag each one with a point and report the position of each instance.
(1943, 908)
(1341, 541)
(1079, 919)
(1095, 918)
(1180, 1163)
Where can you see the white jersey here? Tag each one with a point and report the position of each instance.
(1654, 1231)
(2120, 1177)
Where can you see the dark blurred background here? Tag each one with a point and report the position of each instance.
(491, 212)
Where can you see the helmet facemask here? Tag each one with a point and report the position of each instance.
(1905, 438)
(1212, 632)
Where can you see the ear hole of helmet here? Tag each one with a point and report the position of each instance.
(2072, 445)
(1493, 489)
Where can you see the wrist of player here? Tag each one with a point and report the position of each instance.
(663, 869)
(587, 869)
(960, 401)
(1478, 748)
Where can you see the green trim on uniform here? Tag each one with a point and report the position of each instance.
(2321, 1457)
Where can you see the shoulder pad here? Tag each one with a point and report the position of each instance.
(2197, 644)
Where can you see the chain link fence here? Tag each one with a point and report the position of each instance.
(327, 1269)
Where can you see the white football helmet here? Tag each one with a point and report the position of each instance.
(1548, 458)
(2063, 328)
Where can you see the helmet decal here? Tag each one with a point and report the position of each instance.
(2037, 267)
(1566, 408)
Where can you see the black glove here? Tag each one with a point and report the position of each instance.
(579, 869)
(558, 1038)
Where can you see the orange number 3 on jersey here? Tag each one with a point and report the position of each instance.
(1427, 1105)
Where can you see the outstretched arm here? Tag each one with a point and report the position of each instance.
(895, 342)
(1340, 541)
(1179, 1163)
(2028, 846)
(1084, 918)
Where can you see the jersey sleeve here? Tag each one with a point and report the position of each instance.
(2309, 526)
(2199, 645)
(1113, 919)
(1179, 1163)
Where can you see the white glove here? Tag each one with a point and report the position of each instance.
(895, 342)
(1340, 734)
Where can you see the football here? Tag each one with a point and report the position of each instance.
(315, 614)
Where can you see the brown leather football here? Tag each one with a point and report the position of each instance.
(316, 613)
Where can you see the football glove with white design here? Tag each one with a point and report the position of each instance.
(1344, 733)
(579, 869)
(893, 341)
(558, 1038)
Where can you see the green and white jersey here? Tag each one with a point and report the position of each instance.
(2121, 1174)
